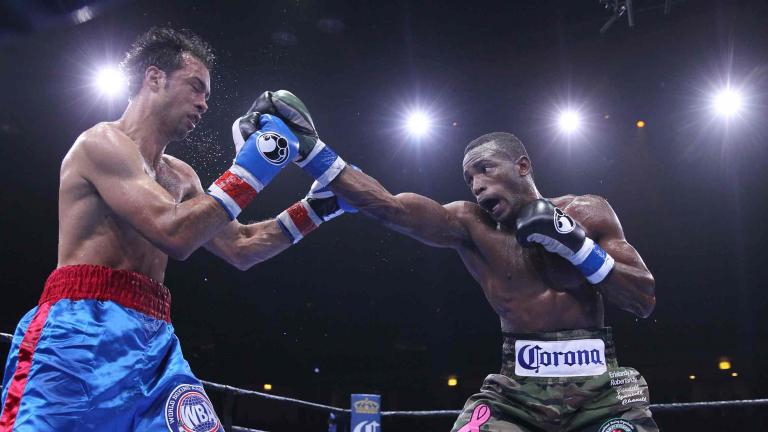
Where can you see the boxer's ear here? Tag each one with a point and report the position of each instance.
(154, 78)
(523, 165)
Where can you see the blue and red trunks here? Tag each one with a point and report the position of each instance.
(99, 353)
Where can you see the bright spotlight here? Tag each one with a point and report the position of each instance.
(111, 82)
(418, 124)
(569, 121)
(728, 102)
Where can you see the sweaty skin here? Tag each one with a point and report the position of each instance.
(125, 204)
(530, 289)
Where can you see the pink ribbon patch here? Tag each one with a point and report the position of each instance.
(480, 415)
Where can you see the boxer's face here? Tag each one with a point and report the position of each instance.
(183, 97)
(500, 185)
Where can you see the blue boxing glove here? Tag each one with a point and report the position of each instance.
(540, 222)
(263, 146)
(320, 205)
(315, 157)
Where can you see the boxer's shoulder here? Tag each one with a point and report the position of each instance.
(471, 216)
(181, 174)
(104, 132)
(103, 141)
(593, 212)
(101, 145)
(464, 210)
(179, 167)
(580, 204)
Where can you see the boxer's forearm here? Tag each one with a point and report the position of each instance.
(259, 242)
(243, 246)
(365, 193)
(368, 196)
(631, 289)
(184, 227)
(411, 214)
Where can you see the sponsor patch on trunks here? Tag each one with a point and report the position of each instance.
(617, 425)
(188, 409)
(581, 357)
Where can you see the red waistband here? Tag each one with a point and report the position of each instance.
(129, 289)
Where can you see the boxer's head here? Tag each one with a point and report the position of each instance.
(498, 171)
(170, 71)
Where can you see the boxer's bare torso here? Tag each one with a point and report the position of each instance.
(530, 289)
(89, 230)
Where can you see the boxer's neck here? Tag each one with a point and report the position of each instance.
(143, 126)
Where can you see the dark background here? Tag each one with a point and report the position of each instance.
(377, 312)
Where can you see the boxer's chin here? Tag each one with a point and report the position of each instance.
(505, 214)
(500, 211)
(182, 132)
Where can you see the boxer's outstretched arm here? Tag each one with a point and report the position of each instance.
(246, 245)
(411, 214)
(115, 168)
(630, 285)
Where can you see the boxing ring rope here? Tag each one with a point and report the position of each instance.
(656, 408)
(230, 392)
(242, 392)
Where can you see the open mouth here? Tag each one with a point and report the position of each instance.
(489, 204)
(194, 119)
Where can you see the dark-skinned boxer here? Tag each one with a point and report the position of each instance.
(547, 267)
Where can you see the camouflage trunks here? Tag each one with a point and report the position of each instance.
(559, 381)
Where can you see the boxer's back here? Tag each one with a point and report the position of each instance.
(89, 231)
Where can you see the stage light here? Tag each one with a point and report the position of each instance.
(728, 102)
(734, 374)
(569, 121)
(267, 387)
(418, 124)
(724, 363)
(453, 381)
(691, 377)
(111, 82)
(640, 124)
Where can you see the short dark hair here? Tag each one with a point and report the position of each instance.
(163, 48)
(506, 143)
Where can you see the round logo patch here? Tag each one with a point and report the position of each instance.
(273, 147)
(617, 425)
(563, 223)
(189, 410)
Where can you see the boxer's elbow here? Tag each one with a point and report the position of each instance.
(247, 251)
(648, 308)
(177, 244)
(647, 302)
(179, 251)
(241, 261)
(394, 210)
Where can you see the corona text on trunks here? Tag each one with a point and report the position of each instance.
(562, 358)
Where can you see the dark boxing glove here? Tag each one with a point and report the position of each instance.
(540, 222)
(320, 205)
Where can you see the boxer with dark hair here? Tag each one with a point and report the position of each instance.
(547, 267)
(99, 352)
